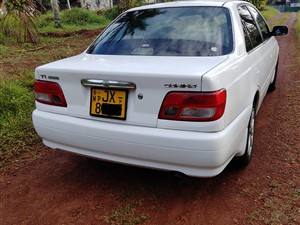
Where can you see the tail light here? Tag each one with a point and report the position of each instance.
(49, 93)
(193, 106)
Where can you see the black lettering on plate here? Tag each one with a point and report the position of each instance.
(120, 99)
(112, 96)
(106, 98)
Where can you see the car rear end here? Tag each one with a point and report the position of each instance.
(136, 95)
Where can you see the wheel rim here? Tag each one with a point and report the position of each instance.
(251, 127)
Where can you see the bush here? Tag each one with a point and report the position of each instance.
(269, 12)
(17, 104)
(81, 17)
(72, 20)
(46, 19)
(258, 3)
(111, 14)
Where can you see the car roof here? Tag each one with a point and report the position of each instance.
(217, 3)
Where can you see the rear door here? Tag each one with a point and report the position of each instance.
(261, 47)
(268, 49)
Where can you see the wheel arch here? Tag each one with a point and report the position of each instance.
(256, 101)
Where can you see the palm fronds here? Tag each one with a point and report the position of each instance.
(19, 20)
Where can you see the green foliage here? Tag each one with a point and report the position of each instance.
(258, 3)
(71, 20)
(45, 19)
(269, 12)
(123, 5)
(111, 14)
(19, 20)
(127, 215)
(18, 5)
(81, 17)
(17, 104)
(2, 38)
(3, 50)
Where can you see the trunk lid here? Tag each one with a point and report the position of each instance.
(153, 77)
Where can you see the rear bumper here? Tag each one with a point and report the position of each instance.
(193, 153)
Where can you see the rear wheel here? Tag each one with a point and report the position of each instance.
(245, 159)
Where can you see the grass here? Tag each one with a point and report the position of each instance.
(16, 86)
(17, 104)
(72, 20)
(127, 215)
(297, 26)
(279, 201)
(277, 208)
(17, 134)
(269, 12)
(280, 21)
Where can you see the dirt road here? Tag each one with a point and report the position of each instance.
(62, 188)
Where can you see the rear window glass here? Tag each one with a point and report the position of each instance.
(184, 31)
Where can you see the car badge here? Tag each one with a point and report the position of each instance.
(105, 83)
(179, 85)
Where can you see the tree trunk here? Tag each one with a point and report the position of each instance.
(55, 8)
(3, 8)
(69, 5)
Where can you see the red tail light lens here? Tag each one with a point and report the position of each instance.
(193, 106)
(49, 93)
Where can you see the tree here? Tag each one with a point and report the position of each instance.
(258, 3)
(19, 20)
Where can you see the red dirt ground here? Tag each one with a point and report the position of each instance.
(62, 188)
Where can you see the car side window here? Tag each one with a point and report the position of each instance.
(250, 28)
(261, 23)
(247, 38)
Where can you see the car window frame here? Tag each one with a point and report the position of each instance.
(245, 29)
(258, 24)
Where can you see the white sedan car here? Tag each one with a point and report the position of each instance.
(173, 86)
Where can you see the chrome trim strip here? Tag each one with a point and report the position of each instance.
(108, 84)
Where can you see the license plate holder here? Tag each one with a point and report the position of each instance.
(108, 103)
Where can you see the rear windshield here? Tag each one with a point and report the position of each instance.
(184, 31)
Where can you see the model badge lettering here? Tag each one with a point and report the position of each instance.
(176, 85)
(43, 77)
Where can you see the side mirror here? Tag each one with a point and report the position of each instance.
(280, 30)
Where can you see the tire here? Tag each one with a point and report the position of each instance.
(244, 160)
(272, 86)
